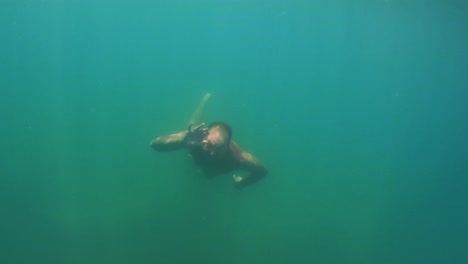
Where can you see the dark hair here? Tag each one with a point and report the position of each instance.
(224, 127)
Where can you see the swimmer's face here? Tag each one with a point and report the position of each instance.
(215, 143)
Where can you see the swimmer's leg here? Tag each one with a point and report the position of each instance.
(197, 116)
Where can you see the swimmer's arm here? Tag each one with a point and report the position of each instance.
(255, 170)
(169, 143)
(185, 139)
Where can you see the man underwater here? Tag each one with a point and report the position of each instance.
(212, 149)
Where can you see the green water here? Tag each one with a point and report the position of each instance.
(357, 108)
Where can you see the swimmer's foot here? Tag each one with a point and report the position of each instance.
(206, 97)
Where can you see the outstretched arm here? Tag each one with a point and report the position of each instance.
(170, 142)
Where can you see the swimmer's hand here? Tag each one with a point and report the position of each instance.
(199, 128)
(238, 180)
(195, 134)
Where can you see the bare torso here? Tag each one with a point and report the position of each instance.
(217, 165)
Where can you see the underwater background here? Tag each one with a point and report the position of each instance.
(357, 108)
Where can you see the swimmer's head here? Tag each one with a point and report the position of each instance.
(218, 139)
